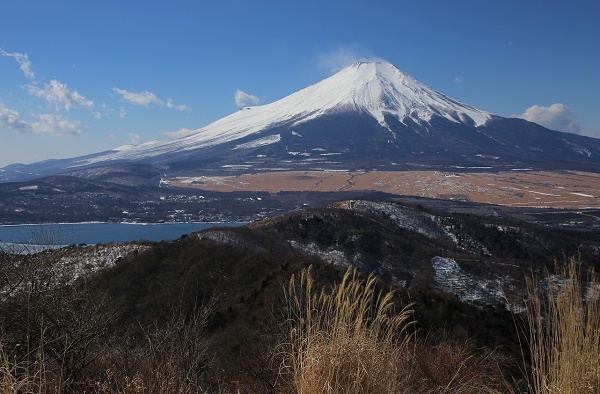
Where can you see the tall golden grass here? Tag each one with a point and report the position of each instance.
(351, 339)
(347, 340)
(563, 319)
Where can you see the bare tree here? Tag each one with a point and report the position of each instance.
(51, 308)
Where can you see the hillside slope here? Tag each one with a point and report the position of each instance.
(455, 267)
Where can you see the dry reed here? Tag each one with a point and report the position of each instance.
(563, 317)
(348, 340)
(22, 377)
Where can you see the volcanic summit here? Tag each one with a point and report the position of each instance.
(368, 116)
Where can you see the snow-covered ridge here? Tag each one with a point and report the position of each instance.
(68, 264)
(375, 88)
(380, 88)
(268, 140)
(332, 256)
(469, 288)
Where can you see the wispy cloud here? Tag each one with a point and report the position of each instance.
(179, 107)
(555, 117)
(58, 94)
(343, 56)
(45, 123)
(23, 61)
(458, 80)
(243, 99)
(55, 93)
(145, 99)
(122, 113)
(55, 124)
(135, 138)
(179, 133)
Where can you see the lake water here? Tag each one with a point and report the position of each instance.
(96, 233)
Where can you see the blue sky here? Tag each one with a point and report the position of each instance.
(79, 77)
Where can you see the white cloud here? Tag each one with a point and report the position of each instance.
(146, 98)
(179, 107)
(343, 56)
(23, 61)
(458, 80)
(555, 117)
(10, 119)
(98, 115)
(243, 99)
(135, 138)
(122, 113)
(55, 124)
(58, 94)
(46, 123)
(179, 133)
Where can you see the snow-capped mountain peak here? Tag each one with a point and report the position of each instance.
(380, 88)
(368, 115)
(375, 88)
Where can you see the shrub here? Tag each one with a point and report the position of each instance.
(456, 367)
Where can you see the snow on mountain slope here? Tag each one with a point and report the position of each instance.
(379, 88)
(375, 88)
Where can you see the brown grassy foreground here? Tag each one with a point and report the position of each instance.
(350, 340)
(347, 338)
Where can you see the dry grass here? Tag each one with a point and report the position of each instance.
(563, 317)
(351, 340)
(574, 189)
(22, 377)
(347, 340)
(168, 360)
(154, 372)
(452, 367)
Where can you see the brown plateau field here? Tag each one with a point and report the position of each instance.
(568, 189)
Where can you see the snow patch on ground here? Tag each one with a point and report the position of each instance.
(93, 258)
(228, 238)
(402, 217)
(426, 224)
(66, 265)
(34, 187)
(334, 257)
(469, 288)
(582, 194)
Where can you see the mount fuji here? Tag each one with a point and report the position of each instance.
(368, 116)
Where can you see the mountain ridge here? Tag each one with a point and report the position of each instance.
(369, 115)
